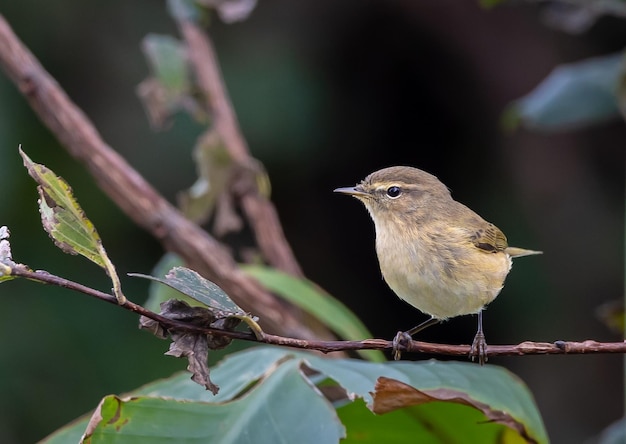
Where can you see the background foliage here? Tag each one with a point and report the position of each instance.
(326, 92)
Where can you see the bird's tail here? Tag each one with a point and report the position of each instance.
(519, 252)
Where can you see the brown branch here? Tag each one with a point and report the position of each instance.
(524, 348)
(259, 211)
(136, 197)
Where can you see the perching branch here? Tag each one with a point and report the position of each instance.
(524, 348)
(137, 198)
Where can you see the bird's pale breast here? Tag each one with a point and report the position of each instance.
(448, 276)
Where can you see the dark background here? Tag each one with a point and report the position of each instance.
(326, 93)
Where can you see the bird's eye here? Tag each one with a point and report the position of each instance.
(394, 192)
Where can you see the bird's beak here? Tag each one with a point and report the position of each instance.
(352, 191)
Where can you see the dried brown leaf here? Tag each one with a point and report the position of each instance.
(391, 394)
(193, 346)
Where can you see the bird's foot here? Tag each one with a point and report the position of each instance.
(400, 343)
(479, 348)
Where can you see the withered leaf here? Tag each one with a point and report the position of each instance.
(195, 347)
(214, 167)
(168, 89)
(221, 180)
(6, 261)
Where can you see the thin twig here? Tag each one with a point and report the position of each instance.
(524, 348)
(136, 197)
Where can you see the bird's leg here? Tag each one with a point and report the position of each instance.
(404, 337)
(479, 345)
(424, 325)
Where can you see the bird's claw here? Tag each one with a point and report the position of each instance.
(400, 343)
(479, 348)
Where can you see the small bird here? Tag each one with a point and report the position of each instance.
(434, 252)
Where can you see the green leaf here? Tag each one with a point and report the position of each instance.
(71, 432)
(159, 293)
(66, 223)
(283, 407)
(572, 96)
(169, 87)
(494, 391)
(184, 10)
(236, 374)
(190, 283)
(423, 423)
(168, 62)
(311, 298)
(216, 170)
(268, 397)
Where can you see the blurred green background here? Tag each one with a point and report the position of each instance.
(326, 92)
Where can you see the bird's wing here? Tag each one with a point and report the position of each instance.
(489, 238)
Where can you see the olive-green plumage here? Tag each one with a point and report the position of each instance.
(434, 252)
